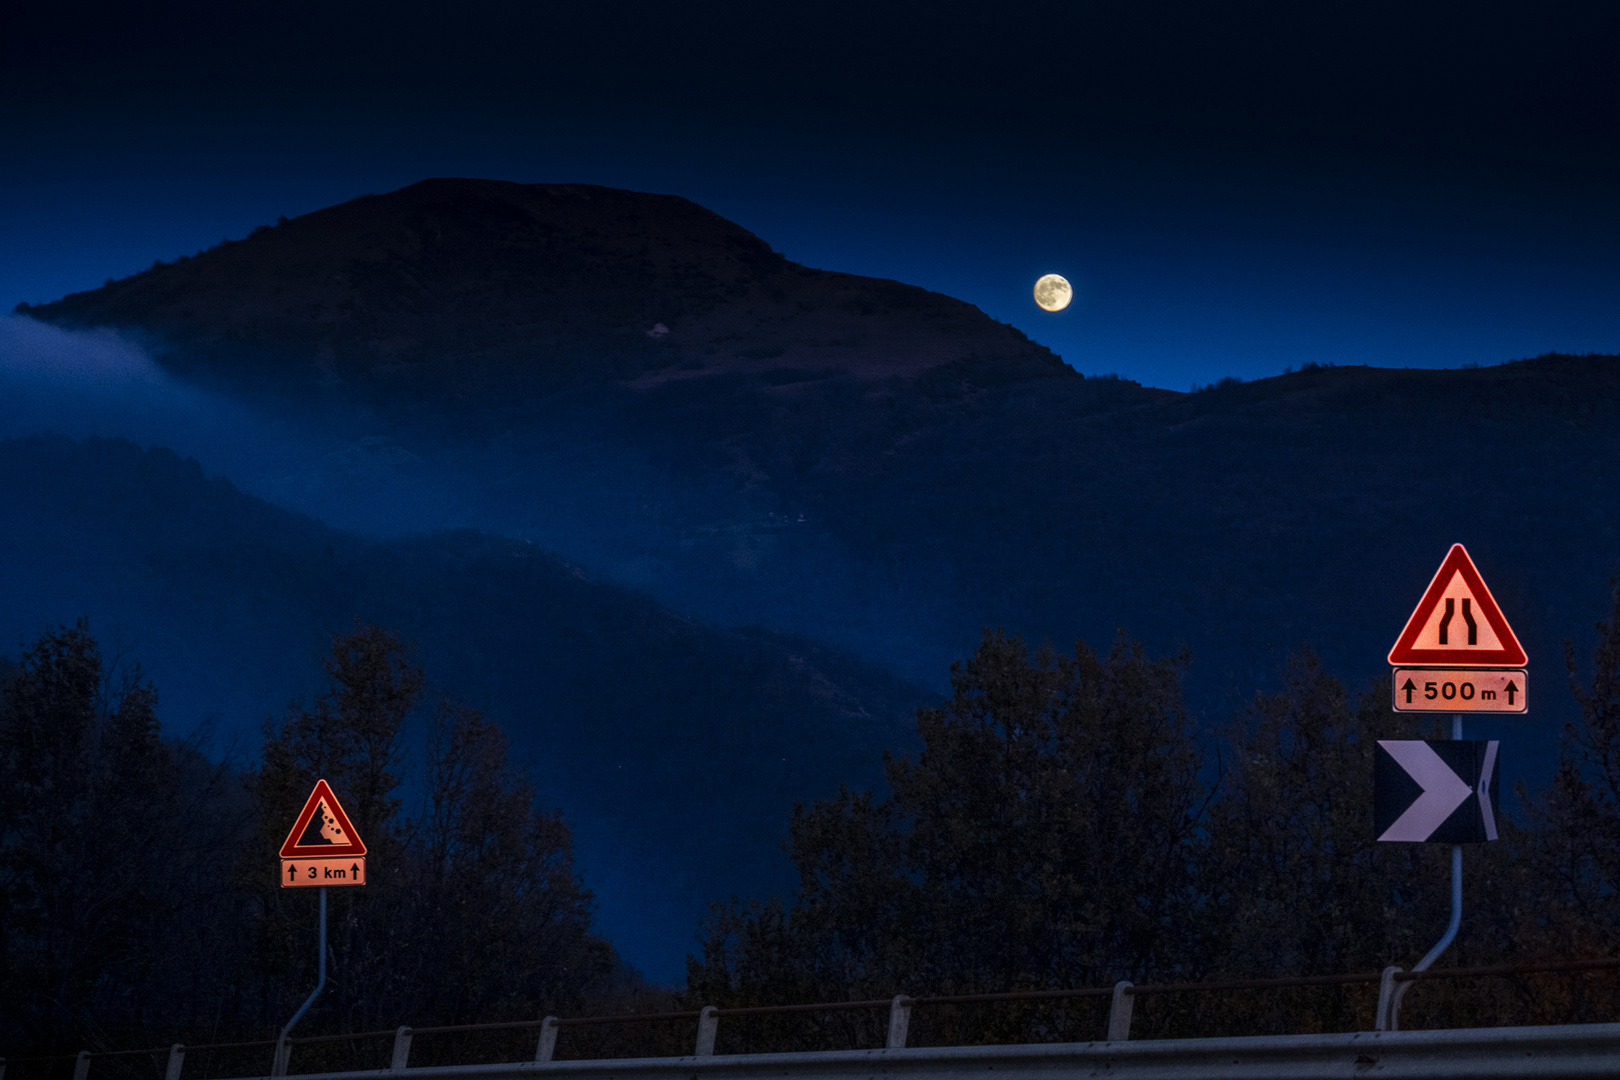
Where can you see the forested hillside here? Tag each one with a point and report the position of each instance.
(140, 899)
(675, 749)
(1067, 824)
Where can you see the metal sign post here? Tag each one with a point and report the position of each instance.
(1394, 1007)
(283, 1045)
(322, 849)
(1456, 654)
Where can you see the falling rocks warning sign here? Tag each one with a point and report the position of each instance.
(323, 847)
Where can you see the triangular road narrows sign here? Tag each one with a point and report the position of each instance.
(322, 829)
(1457, 623)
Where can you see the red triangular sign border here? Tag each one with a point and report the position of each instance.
(1457, 561)
(290, 848)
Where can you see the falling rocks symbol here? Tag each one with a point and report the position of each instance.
(323, 829)
(1442, 792)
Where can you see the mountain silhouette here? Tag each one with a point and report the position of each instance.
(835, 463)
(501, 339)
(462, 293)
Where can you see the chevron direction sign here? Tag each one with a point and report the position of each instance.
(1439, 792)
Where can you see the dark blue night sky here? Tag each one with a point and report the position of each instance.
(1234, 189)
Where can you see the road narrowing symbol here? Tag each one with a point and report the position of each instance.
(323, 847)
(1457, 623)
(1435, 792)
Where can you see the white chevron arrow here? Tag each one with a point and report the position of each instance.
(1443, 790)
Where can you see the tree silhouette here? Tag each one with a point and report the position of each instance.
(99, 818)
(1046, 835)
(472, 909)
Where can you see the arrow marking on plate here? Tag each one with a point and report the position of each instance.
(1485, 790)
(1443, 791)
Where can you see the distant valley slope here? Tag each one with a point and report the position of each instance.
(650, 391)
(674, 749)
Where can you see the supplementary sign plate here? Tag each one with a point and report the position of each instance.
(1436, 792)
(304, 873)
(1460, 690)
(1457, 623)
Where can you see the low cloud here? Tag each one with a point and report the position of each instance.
(83, 383)
(94, 382)
(89, 382)
(347, 467)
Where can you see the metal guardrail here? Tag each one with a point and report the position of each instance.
(1565, 1052)
(1122, 996)
(1389, 1002)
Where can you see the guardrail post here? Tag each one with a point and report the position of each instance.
(177, 1059)
(899, 1021)
(2, 1069)
(545, 1048)
(402, 1049)
(1385, 1020)
(278, 1067)
(1119, 1011)
(81, 1067)
(708, 1027)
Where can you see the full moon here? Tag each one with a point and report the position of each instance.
(1052, 292)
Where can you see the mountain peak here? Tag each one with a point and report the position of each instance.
(472, 288)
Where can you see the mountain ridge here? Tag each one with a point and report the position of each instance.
(477, 288)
